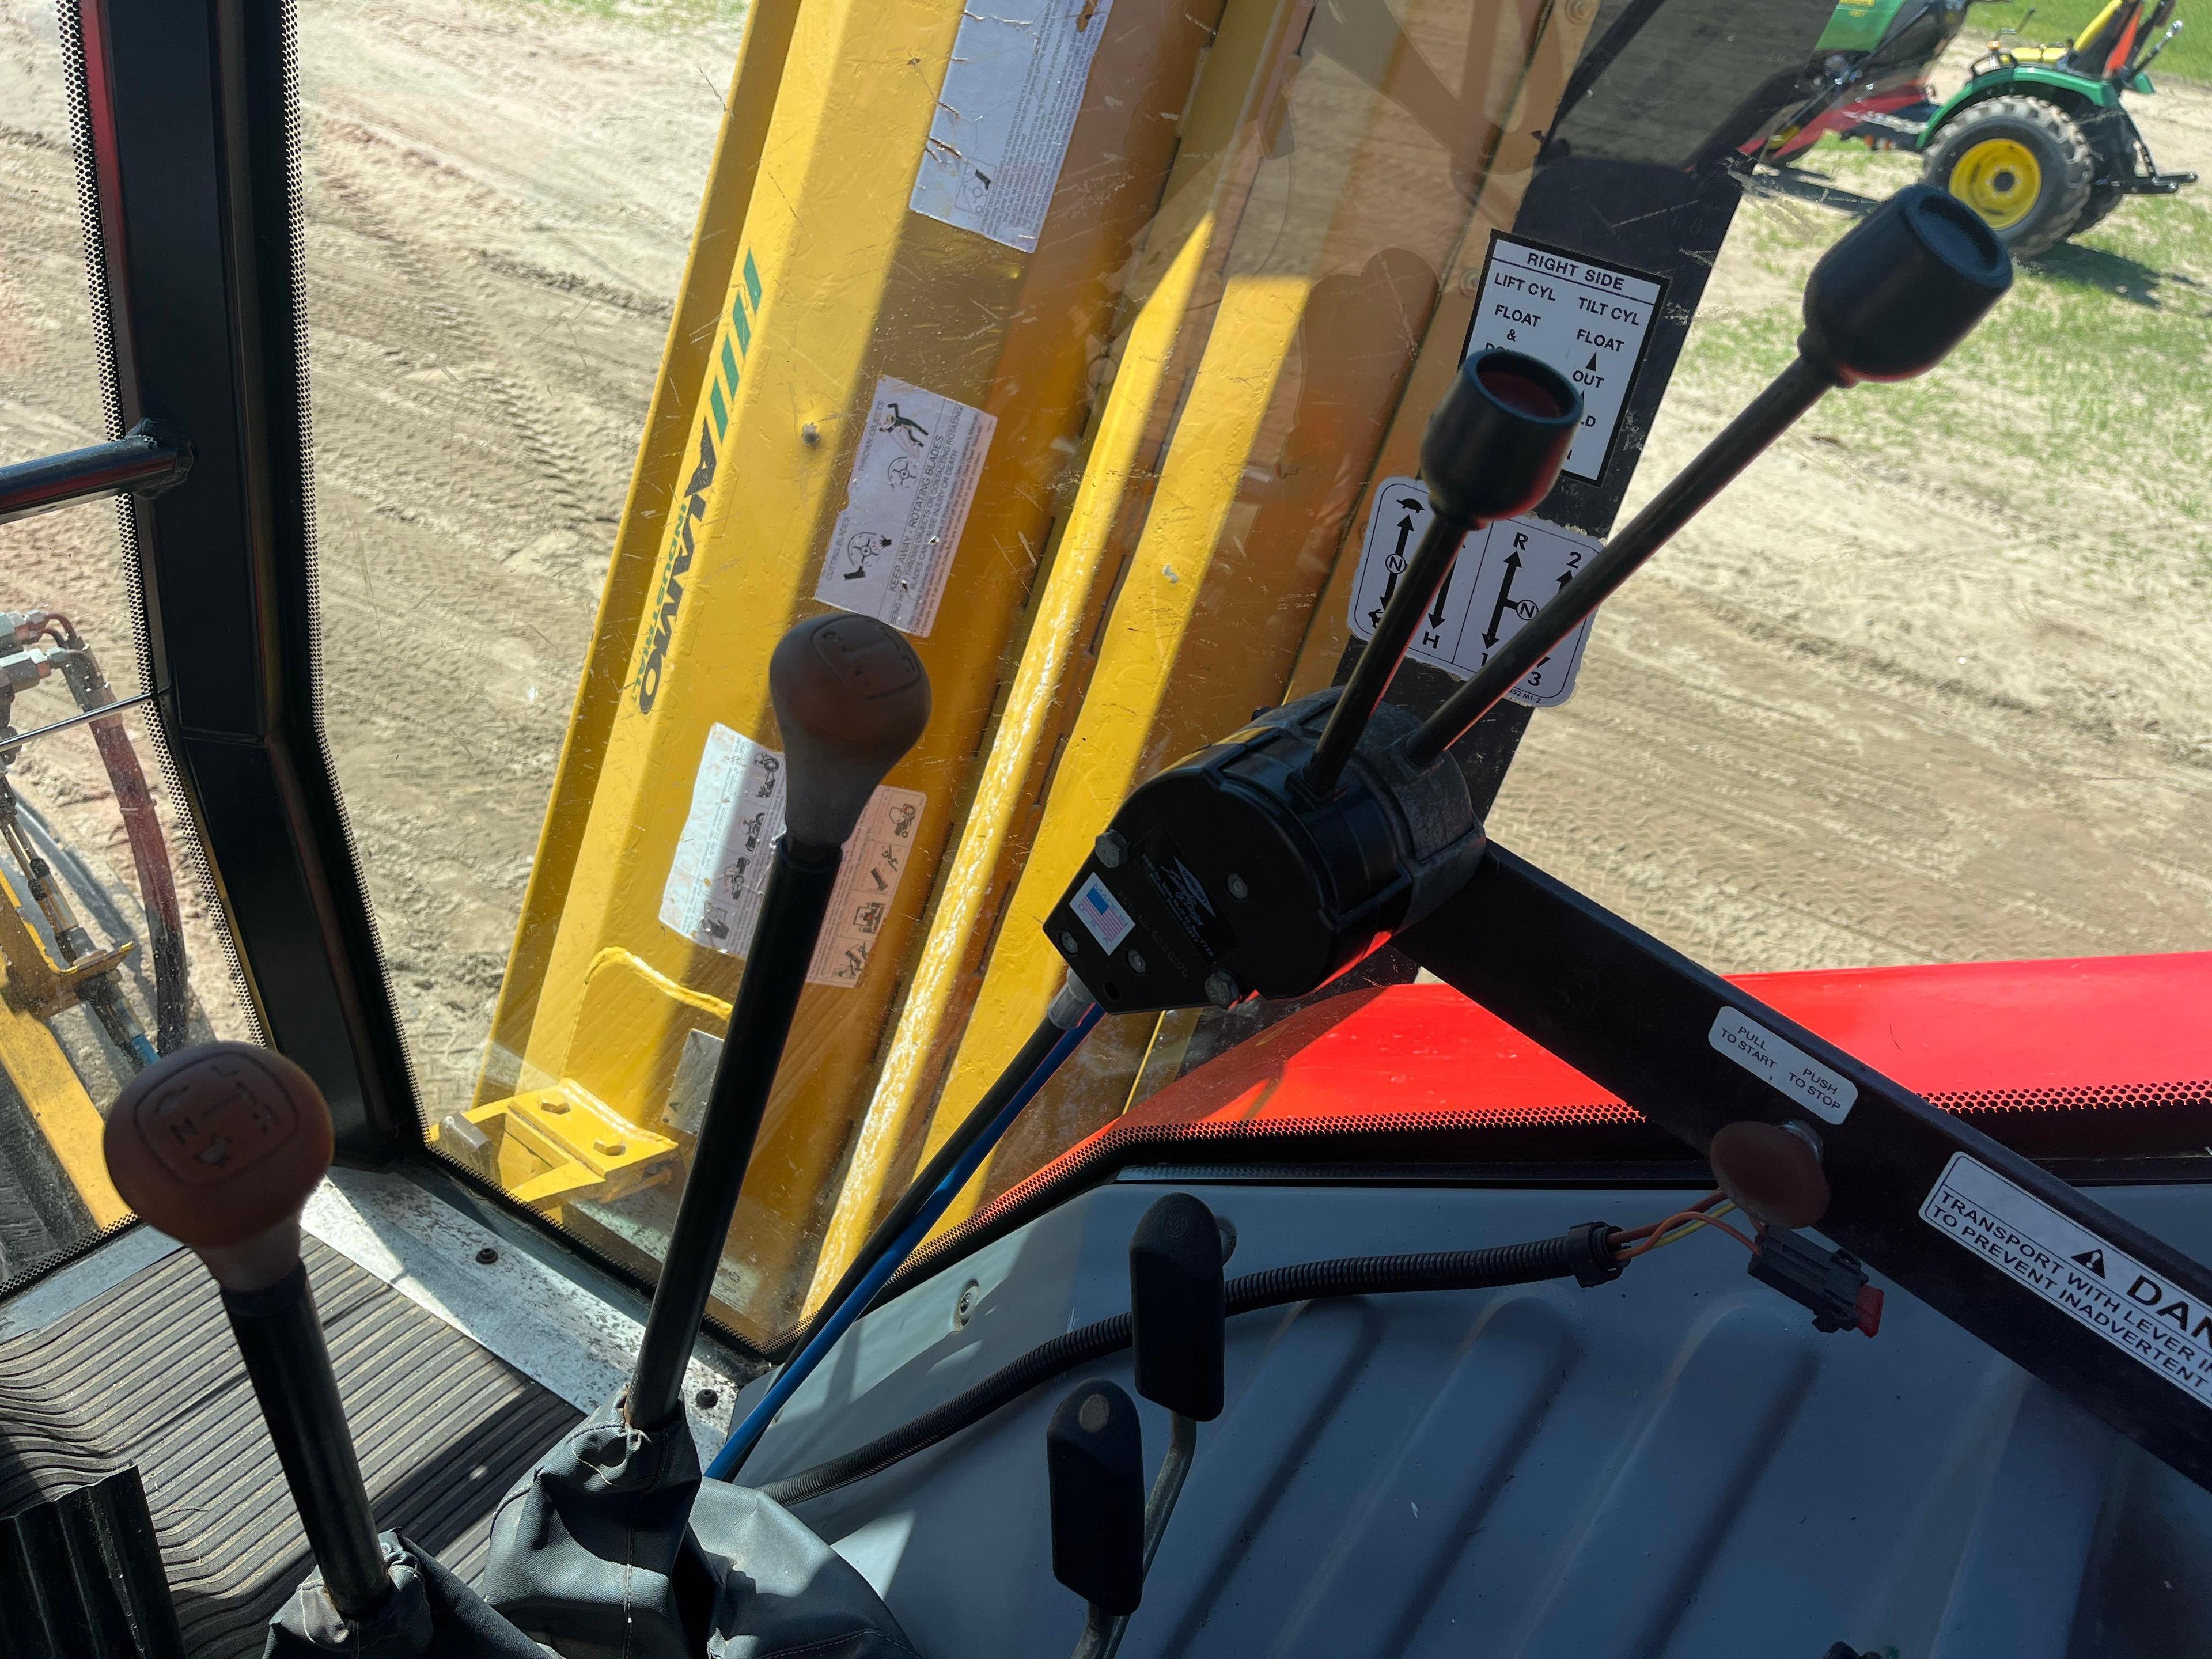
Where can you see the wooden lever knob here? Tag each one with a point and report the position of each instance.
(850, 698)
(219, 1145)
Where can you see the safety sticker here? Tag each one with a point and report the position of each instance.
(1818, 1089)
(1589, 321)
(905, 506)
(2101, 1287)
(1502, 577)
(1101, 913)
(1011, 95)
(719, 874)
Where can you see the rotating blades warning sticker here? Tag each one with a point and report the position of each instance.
(912, 480)
(2100, 1286)
(719, 874)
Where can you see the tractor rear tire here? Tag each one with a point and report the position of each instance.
(2022, 164)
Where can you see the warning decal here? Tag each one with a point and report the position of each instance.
(2101, 1287)
(719, 874)
(1011, 95)
(1501, 578)
(905, 506)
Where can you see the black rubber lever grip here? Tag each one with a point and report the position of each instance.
(1094, 1462)
(1495, 445)
(1909, 283)
(1177, 1313)
(851, 698)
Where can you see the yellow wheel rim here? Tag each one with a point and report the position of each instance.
(2000, 180)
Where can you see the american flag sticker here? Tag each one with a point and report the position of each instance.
(1103, 914)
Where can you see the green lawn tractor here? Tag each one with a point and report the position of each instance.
(2037, 141)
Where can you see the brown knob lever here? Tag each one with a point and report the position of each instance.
(851, 698)
(219, 1146)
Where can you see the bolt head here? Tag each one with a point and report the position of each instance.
(1110, 849)
(1222, 988)
(1136, 962)
(1237, 889)
(486, 1256)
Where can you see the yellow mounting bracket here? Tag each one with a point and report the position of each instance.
(36, 983)
(549, 1147)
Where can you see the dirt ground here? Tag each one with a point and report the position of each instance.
(1885, 704)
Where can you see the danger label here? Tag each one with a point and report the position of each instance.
(1589, 321)
(719, 874)
(2098, 1285)
(906, 504)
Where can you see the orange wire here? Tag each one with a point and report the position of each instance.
(1629, 1235)
(1689, 1219)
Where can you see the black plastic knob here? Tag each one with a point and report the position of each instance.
(1093, 1458)
(1496, 443)
(1908, 283)
(851, 698)
(1176, 1308)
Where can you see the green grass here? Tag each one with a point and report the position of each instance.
(2081, 403)
(2189, 58)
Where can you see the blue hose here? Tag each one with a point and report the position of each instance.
(747, 1434)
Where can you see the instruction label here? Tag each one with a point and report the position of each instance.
(719, 874)
(1589, 321)
(1818, 1089)
(1502, 577)
(2102, 1288)
(905, 507)
(1003, 121)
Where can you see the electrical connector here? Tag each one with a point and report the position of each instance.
(1829, 1282)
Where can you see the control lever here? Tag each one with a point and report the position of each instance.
(1229, 873)
(1887, 302)
(219, 1145)
(851, 698)
(614, 1545)
(1491, 450)
(1178, 1327)
(1094, 1459)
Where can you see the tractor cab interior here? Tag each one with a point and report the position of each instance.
(877, 828)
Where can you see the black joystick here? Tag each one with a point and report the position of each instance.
(1095, 1463)
(851, 698)
(1271, 861)
(1178, 1327)
(1492, 450)
(1887, 302)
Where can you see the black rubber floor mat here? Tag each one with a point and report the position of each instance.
(147, 1374)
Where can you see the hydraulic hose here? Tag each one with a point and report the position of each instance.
(1584, 1254)
(925, 1200)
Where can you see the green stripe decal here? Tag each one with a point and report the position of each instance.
(721, 412)
(744, 329)
(730, 366)
(752, 279)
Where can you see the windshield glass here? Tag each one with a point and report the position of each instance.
(1094, 356)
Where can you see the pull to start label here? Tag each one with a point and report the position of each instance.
(2100, 1286)
(1589, 321)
